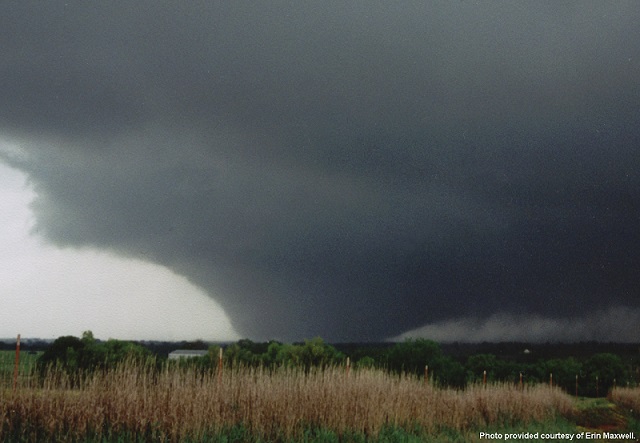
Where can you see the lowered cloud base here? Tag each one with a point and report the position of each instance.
(616, 324)
(351, 170)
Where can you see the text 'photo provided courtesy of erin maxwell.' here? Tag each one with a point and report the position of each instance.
(558, 436)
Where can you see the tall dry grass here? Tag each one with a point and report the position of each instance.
(628, 398)
(180, 404)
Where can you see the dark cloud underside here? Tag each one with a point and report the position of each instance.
(346, 169)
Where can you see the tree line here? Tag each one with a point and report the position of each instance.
(596, 374)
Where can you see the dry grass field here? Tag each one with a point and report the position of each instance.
(628, 398)
(177, 404)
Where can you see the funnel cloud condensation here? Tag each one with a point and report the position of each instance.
(353, 170)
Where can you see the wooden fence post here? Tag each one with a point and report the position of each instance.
(551, 380)
(17, 364)
(576, 385)
(426, 374)
(484, 378)
(220, 366)
(521, 385)
(348, 366)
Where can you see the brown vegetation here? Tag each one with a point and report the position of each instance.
(627, 398)
(183, 403)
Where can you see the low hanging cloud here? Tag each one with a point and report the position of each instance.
(350, 170)
(611, 325)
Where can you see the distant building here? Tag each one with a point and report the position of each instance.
(186, 353)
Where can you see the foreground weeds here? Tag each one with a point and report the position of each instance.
(627, 398)
(139, 403)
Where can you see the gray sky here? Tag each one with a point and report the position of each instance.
(354, 170)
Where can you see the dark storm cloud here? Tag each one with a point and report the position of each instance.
(352, 169)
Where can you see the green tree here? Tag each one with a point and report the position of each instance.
(270, 357)
(564, 372)
(477, 364)
(118, 351)
(87, 354)
(239, 354)
(63, 352)
(365, 362)
(599, 372)
(289, 355)
(316, 353)
(412, 355)
(449, 372)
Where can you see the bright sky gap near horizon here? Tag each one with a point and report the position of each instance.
(48, 292)
(359, 171)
